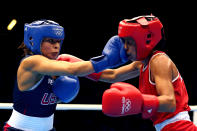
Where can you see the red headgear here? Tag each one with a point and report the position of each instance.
(146, 32)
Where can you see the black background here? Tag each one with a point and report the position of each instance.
(88, 26)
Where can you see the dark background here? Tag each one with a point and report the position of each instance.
(87, 29)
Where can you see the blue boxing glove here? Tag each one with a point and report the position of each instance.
(113, 55)
(66, 88)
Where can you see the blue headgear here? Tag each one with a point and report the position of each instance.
(36, 31)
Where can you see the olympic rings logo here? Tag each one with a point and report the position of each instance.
(126, 105)
(58, 31)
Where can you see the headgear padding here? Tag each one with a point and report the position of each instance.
(146, 31)
(36, 31)
(66, 88)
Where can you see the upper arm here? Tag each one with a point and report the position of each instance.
(161, 71)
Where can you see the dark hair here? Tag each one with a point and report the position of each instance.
(161, 46)
(24, 50)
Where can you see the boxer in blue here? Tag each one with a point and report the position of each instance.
(37, 91)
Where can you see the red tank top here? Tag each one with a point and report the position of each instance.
(146, 86)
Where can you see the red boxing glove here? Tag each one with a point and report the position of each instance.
(71, 58)
(124, 99)
(121, 99)
(68, 58)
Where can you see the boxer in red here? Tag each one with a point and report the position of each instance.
(162, 95)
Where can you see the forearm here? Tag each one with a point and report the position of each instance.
(108, 76)
(83, 68)
(166, 104)
(119, 74)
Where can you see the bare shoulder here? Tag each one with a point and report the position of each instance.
(32, 61)
(160, 60)
(161, 64)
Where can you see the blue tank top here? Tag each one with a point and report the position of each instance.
(40, 101)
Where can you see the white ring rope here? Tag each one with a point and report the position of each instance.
(96, 107)
(93, 107)
(63, 106)
(79, 107)
(193, 108)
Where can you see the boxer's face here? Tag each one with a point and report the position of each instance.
(130, 47)
(50, 48)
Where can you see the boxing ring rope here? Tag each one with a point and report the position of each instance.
(95, 107)
(92, 107)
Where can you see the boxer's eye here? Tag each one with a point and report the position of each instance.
(52, 41)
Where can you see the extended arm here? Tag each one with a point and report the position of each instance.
(109, 75)
(42, 65)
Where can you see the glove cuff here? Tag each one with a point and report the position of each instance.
(150, 107)
(94, 76)
(99, 63)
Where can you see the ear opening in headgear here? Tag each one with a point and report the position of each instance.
(149, 36)
(30, 40)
